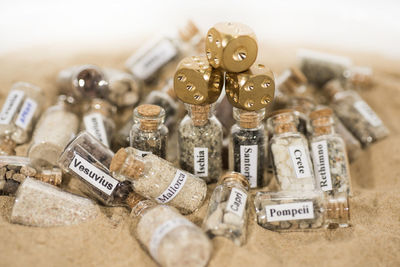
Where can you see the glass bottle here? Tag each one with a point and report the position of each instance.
(355, 114)
(227, 212)
(300, 211)
(157, 179)
(291, 83)
(200, 143)
(289, 153)
(18, 115)
(156, 54)
(83, 82)
(43, 205)
(302, 107)
(148, 133)
(171, 239)
(87, 159)
(56, 127)
(166, 99)
(331, 166)
(98, 120)
(247, 145)
(14, 170)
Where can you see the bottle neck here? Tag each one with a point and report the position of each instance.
(283, 121)
(323, 126)
(200, 115)
(142, 206)
(248, 119)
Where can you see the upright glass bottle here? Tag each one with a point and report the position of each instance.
(98, 120)
(87, 159)
(200, 143)
(289, 153)
(355, 114)
(156, 54)
(56, 127)
(302, 107)
(329, 155)
(171, 239)
(300, 211)
(247, 145)
(19, 113)
(157, 179)
(228, 209)
(148, 133)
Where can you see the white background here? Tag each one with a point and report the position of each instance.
(361, 25)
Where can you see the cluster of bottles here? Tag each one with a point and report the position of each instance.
(301, 148)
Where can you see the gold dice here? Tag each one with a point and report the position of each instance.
(231, 46)
(250, 90)
(196, 82)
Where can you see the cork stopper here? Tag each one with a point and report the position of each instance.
(322, 121)
(200, 114)
(189, 31)
(102, 106)
(283, 121)
(50, 176)
(149, 114)
(248, 120)
(133, 199)
(323, 112)
(332, 88)
(303, 105)
(126, 164)
(235, 176)
(295, 79)
(7, 146)
(338, 209)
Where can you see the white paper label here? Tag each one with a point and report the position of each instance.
(162, 231)
(158, 56)
(10, 106)
(201, 161)
(248, 163)
(237, 202)
(173, 189)
(94, 124)
(321, 164)
(290, 211)
(300, 161)
(367, 112)
(26, 113)
(93, 175)
(143, 153)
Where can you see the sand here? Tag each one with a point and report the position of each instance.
(373, 239)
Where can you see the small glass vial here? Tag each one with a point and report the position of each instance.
(301, 211)
(355, 114)
(170, 239)
(200, 143)
(87, 159)
(98, 120)
(156, 54)
(331, 166)
(148, 133)
(289, 153)
(157, 179)
(166, 99)
(56, 127)
(228, 209)
(291, 83)
(43, 205)
(18, 115)
(248, 145)
(302, 107)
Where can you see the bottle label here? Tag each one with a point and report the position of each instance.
(26, 113)
(162, 230)
(93, 175)
(159, 55)
(248, 163)
(321, 164)
(367, 112)
(300, 161)
(237, 202)
(94, 124)
(173, 189)
(290, 211)
(10, 106)
(201, 161)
